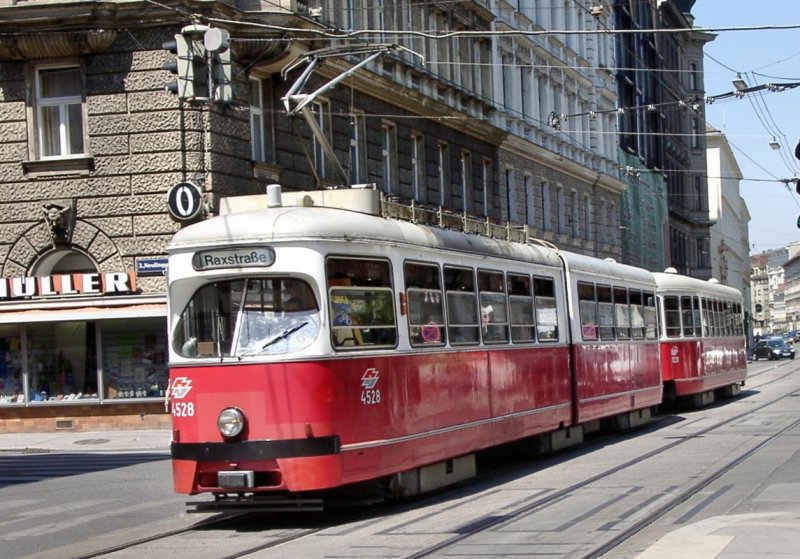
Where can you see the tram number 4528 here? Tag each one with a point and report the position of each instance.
(183, 409)
(370, 397)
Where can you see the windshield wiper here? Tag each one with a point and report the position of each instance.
(285, 334)
(282, 336)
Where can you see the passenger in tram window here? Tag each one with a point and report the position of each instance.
(300, 297)
(486, 317)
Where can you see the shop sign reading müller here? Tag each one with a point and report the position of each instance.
(97, 283)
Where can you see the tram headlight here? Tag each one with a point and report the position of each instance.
(231, 423)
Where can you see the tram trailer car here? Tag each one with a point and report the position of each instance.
(703, 347)
(314, 348)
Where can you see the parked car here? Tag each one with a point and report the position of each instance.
(774, 348)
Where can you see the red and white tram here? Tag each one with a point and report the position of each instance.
(703, 348)
(314, 348)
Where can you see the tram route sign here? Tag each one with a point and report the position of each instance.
(185, 201)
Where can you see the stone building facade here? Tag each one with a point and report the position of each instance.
(93, 150)
(498, 117)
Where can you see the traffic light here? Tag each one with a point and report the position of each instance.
(202, 64)
(190, 65)
(217, 44)
(198, 67)
(179, 47)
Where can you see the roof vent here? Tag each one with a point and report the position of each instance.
(274, 196)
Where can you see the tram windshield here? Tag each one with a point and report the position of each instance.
(254, 316)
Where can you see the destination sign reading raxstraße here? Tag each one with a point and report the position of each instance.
(233, 258)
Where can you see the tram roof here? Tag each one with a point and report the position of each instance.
(296, 224)
(607, 268)
(694, 286)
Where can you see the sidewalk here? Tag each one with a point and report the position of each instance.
(87, 441)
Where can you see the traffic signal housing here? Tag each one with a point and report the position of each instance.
(217, 44)
(179, 47)
(190, 66)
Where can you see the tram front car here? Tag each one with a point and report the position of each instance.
(250, 388)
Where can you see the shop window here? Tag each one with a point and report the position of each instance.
(61, 361)
(134, 354)
(11, 366)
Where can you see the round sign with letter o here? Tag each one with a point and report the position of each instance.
(185, 201)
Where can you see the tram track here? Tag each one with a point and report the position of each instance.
(287, 536)
(607, 546)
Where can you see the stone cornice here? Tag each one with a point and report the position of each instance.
(415, 102)
(35, 30)
(57, 44)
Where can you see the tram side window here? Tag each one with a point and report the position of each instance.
(687, 317)
(462, 306)
(520, 305)
(425, 304)
(737, 317)
(698, 317)
(637, 314)
(494, 308)
(605, 312)
(587, 307)
(544, 301)
(718, 318)
(672, 316)
(650, 316)
(708, 319)
(730, 318)
(622, 313)
(361, 303)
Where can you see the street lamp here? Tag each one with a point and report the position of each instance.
(739, 84)
(774, 144)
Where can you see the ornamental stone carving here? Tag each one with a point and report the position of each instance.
(57, 44)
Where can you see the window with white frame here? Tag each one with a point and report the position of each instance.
(574, 213)
(261, 122)
(511, 195)
(389, 156)
(587, 218)
(418, 167)
(443, 165)
(486, 177)
(466, 181)
(547, 223)
(59, 112)
(530, 206)
(321, 111)
(562, 210)
(358, 148)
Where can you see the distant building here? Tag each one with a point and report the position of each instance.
(729, 240)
